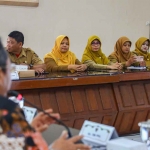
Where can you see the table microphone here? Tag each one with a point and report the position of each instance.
(20, 97)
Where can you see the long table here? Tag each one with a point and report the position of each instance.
(120, 99)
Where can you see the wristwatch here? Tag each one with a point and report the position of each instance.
(30, 66)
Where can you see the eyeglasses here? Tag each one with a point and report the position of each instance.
(95, 43)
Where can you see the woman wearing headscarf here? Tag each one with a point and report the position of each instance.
(122, 52)
(93, 56)
(61, 58)
(141, 49)
(15, 131)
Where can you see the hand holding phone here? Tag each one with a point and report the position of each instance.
(139, 58)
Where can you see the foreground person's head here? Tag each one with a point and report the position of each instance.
(5, 69)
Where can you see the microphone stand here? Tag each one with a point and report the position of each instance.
(57, 120)
(20, 97)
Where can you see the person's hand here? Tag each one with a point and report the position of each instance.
(120, 66)
(142, 64)
(74, 67)
(77, 67)
(132, 60)
(116, 65)
(83, 67)
(38, 70)
(42, 121)
(62, 143)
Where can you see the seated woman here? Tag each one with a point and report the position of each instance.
(61, 58)
(93, 56)
(141, 49)
(122, 53)
(15, 131)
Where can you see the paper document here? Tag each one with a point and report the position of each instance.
(132, 67)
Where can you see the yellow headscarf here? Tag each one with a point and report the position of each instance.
(60, 58)
(98, 57)
(118, 53)
(138, 46)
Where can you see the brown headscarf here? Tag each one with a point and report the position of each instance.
(138, 46)
(118, 54)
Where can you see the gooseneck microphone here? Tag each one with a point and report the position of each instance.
(19, 98)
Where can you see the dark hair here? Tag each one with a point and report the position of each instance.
(18, 36)
(3, 57)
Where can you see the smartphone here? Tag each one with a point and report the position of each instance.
(139, 58)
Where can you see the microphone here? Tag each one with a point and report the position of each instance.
(20, 98)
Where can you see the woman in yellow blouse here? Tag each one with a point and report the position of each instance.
(122, 52)
(93, 56)
(141, 49)
(61, 58)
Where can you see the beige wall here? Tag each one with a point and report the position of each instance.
(79, 19)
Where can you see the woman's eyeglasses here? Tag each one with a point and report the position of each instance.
(95, 43)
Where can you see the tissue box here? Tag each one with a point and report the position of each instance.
(27, 73)
(125, 144)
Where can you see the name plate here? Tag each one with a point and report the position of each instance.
(29, 112)
(132, 67)
(14, 75)
(21, 67)
(96, 133)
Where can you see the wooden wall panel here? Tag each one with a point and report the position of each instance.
(121, 104)
(68, 121)
(48, 99)
(76, 104)
(107, 97)
(92, 99)
(131, 95)
(139, 94)
(77, 100)
(109, 119)
(133, 104)
(125, 95)
(32, 96)
(147, 90)
(62, 101)
(124, 122)
(139, 116)
(95, 119)
(78, 122)
(148, 115)
(127, 121)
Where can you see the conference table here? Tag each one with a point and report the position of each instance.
(116, 98)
